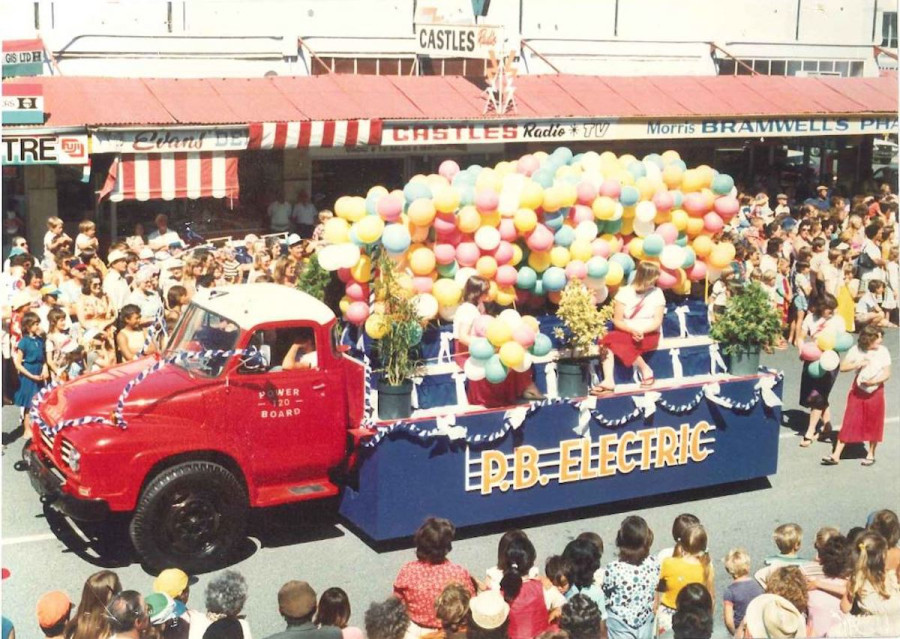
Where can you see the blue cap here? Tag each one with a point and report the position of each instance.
(789, 223)
(16, 250)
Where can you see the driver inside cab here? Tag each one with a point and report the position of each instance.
(302, 352)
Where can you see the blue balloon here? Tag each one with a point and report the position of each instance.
(415, 190)
(494, 370)
(554, 279)
(542, 345)
(722, 184)
(654, 158)
(843, 341)
(597, 267)
(396, 238)
(629, 196)
(554, 220)
(564, 236)
(355, 238)
(448, 270)
(562, 153)
(372, 203)
(543, 176)
(653, 244)
(689, 257)
(612, 226)
(637, 169)
(680, 164)
(481, 348)
(578, 157)
(677, 198)
(538, 288)
(526, 279)
(474, 169)
(815, 369)
(624, 260)
(466, 194)
(682, 239)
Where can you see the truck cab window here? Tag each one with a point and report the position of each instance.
(286, 349)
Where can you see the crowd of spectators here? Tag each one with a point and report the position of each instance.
(847, 586)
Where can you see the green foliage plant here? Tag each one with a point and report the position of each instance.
(749, 321)
(398, 349)
(583, 323)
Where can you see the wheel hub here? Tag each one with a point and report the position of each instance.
(192, 521)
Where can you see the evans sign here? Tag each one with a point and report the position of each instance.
(169, 140)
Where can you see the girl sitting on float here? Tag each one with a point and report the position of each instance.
(638, 315)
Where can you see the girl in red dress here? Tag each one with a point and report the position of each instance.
(639, 310)
(864, 415)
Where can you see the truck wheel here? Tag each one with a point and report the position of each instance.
(190, 516)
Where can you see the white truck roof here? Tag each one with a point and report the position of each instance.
(249, 305)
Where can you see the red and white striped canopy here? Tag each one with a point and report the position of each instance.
(327, 133)
(167, 176)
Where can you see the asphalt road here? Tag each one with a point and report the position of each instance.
(310, 542)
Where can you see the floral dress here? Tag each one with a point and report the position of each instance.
(630, 589)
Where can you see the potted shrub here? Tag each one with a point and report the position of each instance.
(397, 348)
(749, 324)
(583, 326)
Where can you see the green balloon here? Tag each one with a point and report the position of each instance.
(816, 370)
(843, 342)
(494, 371)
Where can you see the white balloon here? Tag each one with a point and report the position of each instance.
(474, 370)
(348, 255)
(618, 212)
(652, 171)
(487, 238)
(598, 286)
(426, 305)
(525, 365)
(462, 275)
(829, 360)
(586, 230)
(645, 212)
(448, 312)
(672, 256)
(511, 317)
(712, 274)
(642, 228)
(330, 257)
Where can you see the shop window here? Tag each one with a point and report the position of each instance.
(778, 67)
(793, 66)
(406, 66)
(826, 66)
(345, 65)
(889, 29)
(761, 66)
(744, 69)
(811, 65)
(856, 69)
(726, 66)
(842, 67)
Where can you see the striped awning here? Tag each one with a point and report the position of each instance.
(321, 133)
(168, 176)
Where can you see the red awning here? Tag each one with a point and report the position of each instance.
(167, 176)
(330, 133)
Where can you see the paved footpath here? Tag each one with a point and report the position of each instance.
(310, 542)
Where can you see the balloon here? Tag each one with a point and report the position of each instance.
(469, 219)
(474, 370)
(526, 279)
(667, 278)
(643, 229)
(512, 354)
(668, 232)
(376, 326)
(368, 229)
(564, 236)
(663, 201)
(330, 257)
(722, 184)
(487, 238)
(396, 237)
(336, 231)
(695, 204)
(554, 220)
(654, 244)
(597, 267)
(720, 257)
(587, 192)
(446, 199)
(615, 274)
(362, 270)
(525, 220)
(540, 239)
(498, 332)
(357, 292)
(358, 312)
(815, 370)
(421, 212)
(426, 306)
(712, 223)
(702, 246)
(527, 164)
(645, 211)
(809, 352)
(506, 295)
(604, 208)
(389, 208)
(576, 270)
(726, 206)
(422, 261)
(444, 253)
(487, 200)
(843, 341)
(447, 292)
(697, 272)
(611, 188)
(559, 256)
(504, 253)
(542, 345)
(829, 360)
(486, 267)
(539, 260)
(554, 279)
(445, 224)
(680, 219)
(672, 257)
(553, 198)
(635, 248)
(467, 253)
(448, 169)
(524, 335)
(629, 196)
(481, 348)
(826, 340)
(506, 275)
(494, 370)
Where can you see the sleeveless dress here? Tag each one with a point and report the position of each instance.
(528, 615)
(33, 358)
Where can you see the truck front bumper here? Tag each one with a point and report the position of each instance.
(49, 486)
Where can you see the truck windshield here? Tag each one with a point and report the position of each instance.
(201, 330)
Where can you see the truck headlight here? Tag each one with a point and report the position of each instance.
(70, 455)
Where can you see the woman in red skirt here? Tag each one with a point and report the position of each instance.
(638, 315)
(864, 415)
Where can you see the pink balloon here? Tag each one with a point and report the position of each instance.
(467, 253)
(444, 223)
(611, 188)
(726, 206)
(713, 223)
(504, 253)
(527, 164)
(506, 275)
(540, 239)
(587, 193)
(448, 169)
(389, 208)
(453, 238)
(667, 278)
(422, 284)
(357, 312)
(444, 253)
(524, 335)
(695, 204)
(479, 326)
(580, 213)
(600, 247)
(810, 352)
(697, 272)
(576, 270)
(486, 200)
(668, 232)
(357, 292)
(508, 231)
(344, 275)
(663, 201)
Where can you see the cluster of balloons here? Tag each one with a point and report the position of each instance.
(505, 342)
(824, 354)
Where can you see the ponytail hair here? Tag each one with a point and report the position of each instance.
(869, 566)
(694, 543)
(518, 560)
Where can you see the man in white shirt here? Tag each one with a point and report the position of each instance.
(304, 215)
(114, 284)
(163, 236)
(870, 261)
(279, 213)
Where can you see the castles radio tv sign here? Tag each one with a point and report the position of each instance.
(457, 40)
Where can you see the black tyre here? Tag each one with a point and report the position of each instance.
(190, 516)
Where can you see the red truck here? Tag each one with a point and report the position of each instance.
(206, 438)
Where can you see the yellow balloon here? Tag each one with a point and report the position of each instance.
(706, 175)
(625, 160)
(615, 244)
(369, 229)
(421, 261)
(469, 219)
(692, 180)
(421, 212)
(418, 234)
(615, 274)
(447, 292)
(628, 212)
(446, 199)
(581, 250)
(532, 195)
(506, 295)
(532, 322)
(376, 326)
(337, 231)
(702, 246)
(670, 156)
(636, 248)
(645, 187)
(492, 291)
(344, 304)
(680, 219)
(362, 270)
(694, 226)
(525, 220)
(486, 266)
(540, 156)
(380, 190)
(405, 284)
(604, 207)
(559, 256)
(709, 196)
(662, 217)
(488, 179)
(719, 257)
(492, 218)
(553, 198)
(498, 332)
(517, 254)
(512, 354)
(826, 341)
(568, 194)
(627, 226)
(342, 206)
(672, 176)
(539, 260)
(625, 178)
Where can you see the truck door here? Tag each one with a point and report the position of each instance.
(293, 432)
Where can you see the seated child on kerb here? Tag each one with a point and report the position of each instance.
(788, 539)
(741, 591)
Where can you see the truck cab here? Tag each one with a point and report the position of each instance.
(251, 404)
